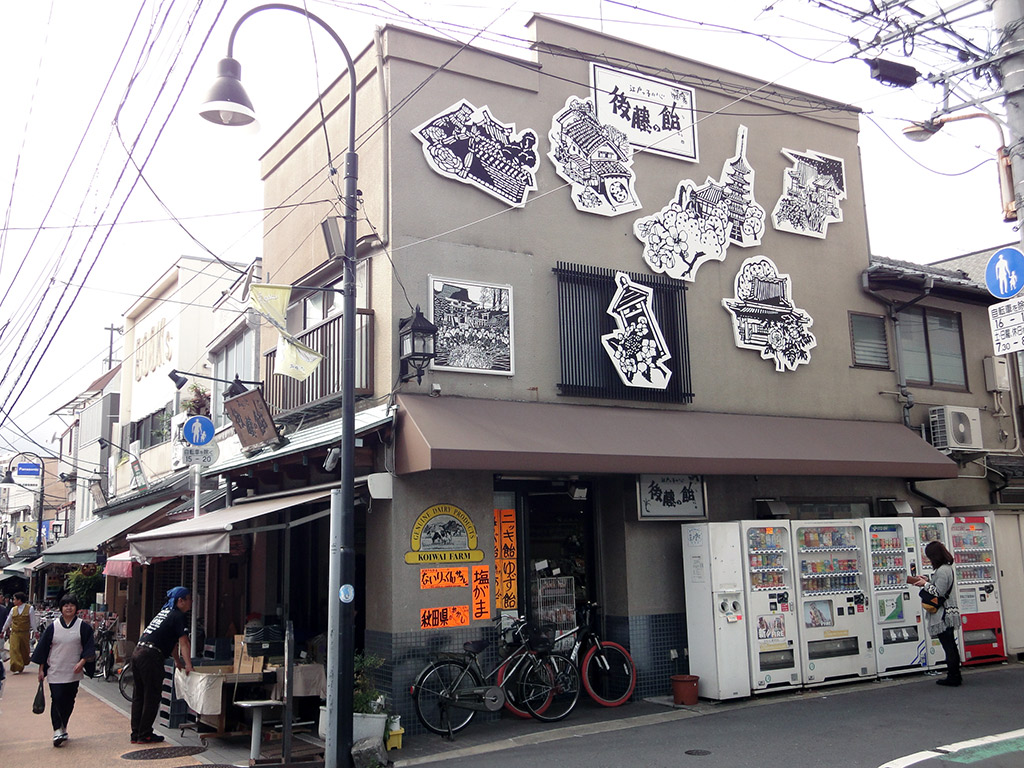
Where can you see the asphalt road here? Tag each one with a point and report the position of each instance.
(867, 725)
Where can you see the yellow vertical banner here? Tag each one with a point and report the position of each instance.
(481, 592)
(506, 560)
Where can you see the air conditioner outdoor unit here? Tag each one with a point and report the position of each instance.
(954, 428)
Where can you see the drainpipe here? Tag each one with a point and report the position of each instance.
(385, 225)
(894, 309)
(912, 487)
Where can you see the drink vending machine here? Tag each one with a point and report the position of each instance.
(772, 620)
(715, 611)
(900, 642)
(836, 627)
(927, 530)
(977, 589)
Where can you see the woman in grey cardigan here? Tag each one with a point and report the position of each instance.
(944, 622)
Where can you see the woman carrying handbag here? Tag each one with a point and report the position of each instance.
(944, 621)
(63, 651)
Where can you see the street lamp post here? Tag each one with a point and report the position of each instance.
(10, 482)
(228, 104)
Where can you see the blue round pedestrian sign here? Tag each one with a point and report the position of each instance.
(1004, 275)
(198, 430)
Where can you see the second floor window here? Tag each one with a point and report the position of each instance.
(932, 348)
(153, 429)
(867, 337)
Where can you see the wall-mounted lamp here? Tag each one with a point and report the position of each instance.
(332, 459)
(416, 336)
(924, 129)
(235, 386)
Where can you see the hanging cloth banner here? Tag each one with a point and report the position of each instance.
(295, 359)
(271, 301)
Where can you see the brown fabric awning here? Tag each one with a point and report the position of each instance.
(499, 435)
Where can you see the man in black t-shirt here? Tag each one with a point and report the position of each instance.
(166, 635)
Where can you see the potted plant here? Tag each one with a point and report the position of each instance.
(369, 716)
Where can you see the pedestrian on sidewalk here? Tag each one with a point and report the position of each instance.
(62, 652)
(17, 629)
(944, 622)
(166, 635)
(5, 608)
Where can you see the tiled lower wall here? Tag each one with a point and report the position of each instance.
(648, 638)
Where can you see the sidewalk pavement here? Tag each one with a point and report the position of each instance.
(99, 733)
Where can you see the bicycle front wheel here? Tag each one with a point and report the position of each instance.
(126, 682)
(433, 694)
(550, 687)
(609, 674)
(108, 665)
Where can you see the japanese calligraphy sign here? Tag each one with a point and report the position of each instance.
(443, 617)
(481, 592)
(1007, 321)
(670, 497)
(444, 534)
(506, 561)
(434, 578)
(656, 115)
(252, 420)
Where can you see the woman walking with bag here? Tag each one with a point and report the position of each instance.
(62, 653)
(944, 622)
(18, 628)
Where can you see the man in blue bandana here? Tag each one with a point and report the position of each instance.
(166, 635)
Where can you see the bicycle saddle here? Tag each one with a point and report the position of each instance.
(475, 646)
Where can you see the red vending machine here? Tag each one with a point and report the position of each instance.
(977, 589)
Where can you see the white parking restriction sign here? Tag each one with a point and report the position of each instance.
(1007, 321)
(204, 455)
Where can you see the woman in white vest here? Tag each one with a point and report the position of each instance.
(62, 653)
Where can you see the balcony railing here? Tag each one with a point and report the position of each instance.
(322, 390)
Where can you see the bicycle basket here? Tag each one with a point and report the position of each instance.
(540, 638)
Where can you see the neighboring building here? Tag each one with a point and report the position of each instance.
(598, 377)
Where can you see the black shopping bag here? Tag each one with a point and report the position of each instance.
(39, 702)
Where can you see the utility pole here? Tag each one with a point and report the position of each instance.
(1008, 17)
(110, 354)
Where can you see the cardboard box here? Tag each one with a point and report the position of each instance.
(244, 663)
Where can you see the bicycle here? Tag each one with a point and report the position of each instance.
(126, 681)
(607, 669)
(104, 635)
(450, 690)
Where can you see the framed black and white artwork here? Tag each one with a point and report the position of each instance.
(656, 115)
(468, 144)
(765, 319)
(474, 326)
(812, 190)
(596, 160)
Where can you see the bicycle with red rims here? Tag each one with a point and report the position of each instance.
(607, 669)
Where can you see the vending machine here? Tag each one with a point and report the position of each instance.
(977, 589)
(929, 529)
(901, 644)
(715, 610)
(772, 620)
(836, 627)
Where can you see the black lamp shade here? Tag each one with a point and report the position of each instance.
(416, 337)
(226, 102)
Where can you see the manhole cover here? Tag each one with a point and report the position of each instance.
(162, 753)
(700, 752)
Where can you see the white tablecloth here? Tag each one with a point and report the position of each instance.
(307, 680)
(202, 692)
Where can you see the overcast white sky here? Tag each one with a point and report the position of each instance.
(57, 57)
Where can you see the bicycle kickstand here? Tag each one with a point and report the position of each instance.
(447, 720)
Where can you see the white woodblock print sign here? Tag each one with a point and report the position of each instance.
(812, 190)
(637, 348)
(746, 217)
(765, 319)
(468, 144)
(595, 159)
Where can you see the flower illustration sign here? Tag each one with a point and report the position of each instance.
(765, 319)
(468, 144)
(637, 349)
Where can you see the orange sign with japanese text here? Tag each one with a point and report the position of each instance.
(446, 616)
(432, 578)
(506, 560)
(481, 592)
